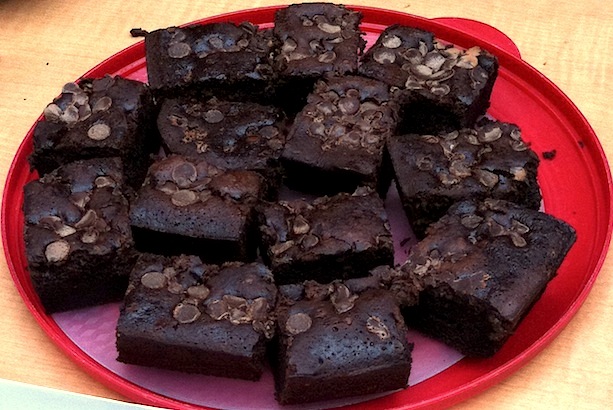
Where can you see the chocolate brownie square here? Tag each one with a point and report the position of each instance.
(180, 314)
(315, 39)
(336, 237)
(231, 135)
(223, 59)
(189, 206)
(339, 340)
(440, 87)
(489, 160)
(337, 141)
(481, 268)
(77, 234)
(95, 118)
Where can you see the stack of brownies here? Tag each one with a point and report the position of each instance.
(184, 197)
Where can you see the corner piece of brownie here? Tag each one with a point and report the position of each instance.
(180, 314)
(337, 141)
(77, 235)
(338, 237)
(95, 118)
(222, 59)
(338, 340)
(481, 268)
(440, 87)
(489, 160)
(187, 205)
(231, 135)
(315, 39)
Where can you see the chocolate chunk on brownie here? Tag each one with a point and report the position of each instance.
(96, 118)
(180, 314)
(337, 141)
(434, 171)
(339, 340)
(231, 135)
(77, 234)
(187, 205)
(440, 87)
(481, 268)
(315, 39)
(223, 59)
(338, 237)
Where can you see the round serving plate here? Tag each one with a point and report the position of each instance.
(576, 187)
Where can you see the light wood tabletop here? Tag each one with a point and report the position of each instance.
(46, 43)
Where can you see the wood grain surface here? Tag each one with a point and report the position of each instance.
(44, 44)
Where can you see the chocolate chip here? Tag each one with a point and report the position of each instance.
(103, 104)
(471, 221)
(218, 309)
(213, 116)
(486, 178)
(186, 313)
(70, 115)
(104, 181)
(391, 41)
(519, 227)
(329, 28)
(309, 241)
(518, 145)
(288, 46)
(434, 60)
(174, 287)
(90, 236)
(52, 113)
(298, 323)
(179, 50)
(65, 230)
(459, 169)
(184, 174)
(258, 309)
(71, 88)
(376, 326)
(327, 57)
(518, 240)
(491, 135)
(342, 299)
(184, 197)
(199, 292)
(57, 251)
(384, 56)
(154, 280)
(440, 89)
(87, 220)
(168, 188)
(349, 105)
(300, 226)
(99, 132)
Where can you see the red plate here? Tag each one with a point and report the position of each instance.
(576, 187)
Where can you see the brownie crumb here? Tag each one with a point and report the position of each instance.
(549, 154)
(138, 32)
(581, 144)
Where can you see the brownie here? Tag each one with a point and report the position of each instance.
(339, 340)
(97, 118)
(223, 59)
(336, 142)
(338, 237)
(231, 135)
(315, 39)
(189, 206)
(77, 235)
(489, 160)
(440, 87)
(180, 314)
(481, 268)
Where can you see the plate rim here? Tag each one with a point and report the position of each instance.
(454, 395)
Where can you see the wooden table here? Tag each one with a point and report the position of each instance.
(44, 44)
